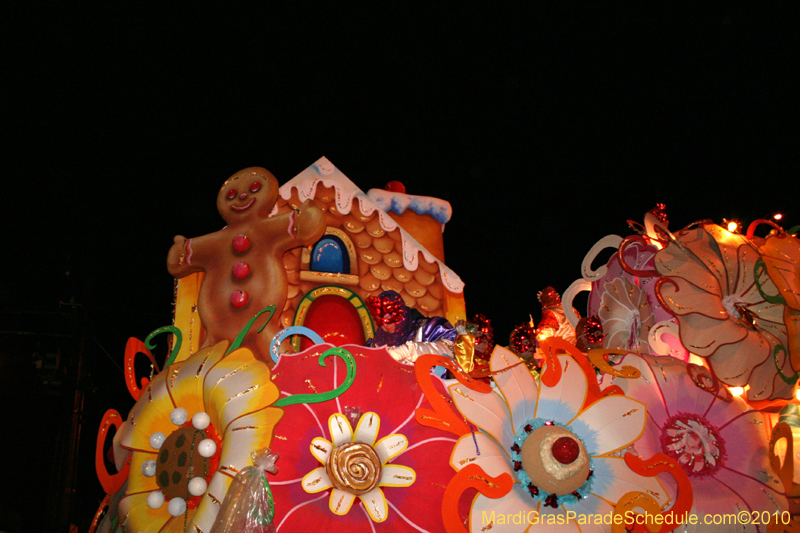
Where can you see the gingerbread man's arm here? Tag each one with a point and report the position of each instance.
(301, 227)
(187, 256)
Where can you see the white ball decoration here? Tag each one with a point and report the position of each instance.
(179, 416)
(197, 486)
(157, 440)
(207, 448)
(149, 468)
(155, 499)
(176, 506)
(201, 420)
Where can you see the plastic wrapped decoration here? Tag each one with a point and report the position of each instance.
(622, 297)
(248, 506)
(712, 285)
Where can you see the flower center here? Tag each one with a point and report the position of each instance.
(179, 462)
(566, 450)
(737, 308)
(554, 460)
(354, 467)
(694, 443)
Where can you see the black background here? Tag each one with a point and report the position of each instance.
(545, 125)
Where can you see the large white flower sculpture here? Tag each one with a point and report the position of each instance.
(558, 450)
(716, 438)
(191, 431)
(711, 287)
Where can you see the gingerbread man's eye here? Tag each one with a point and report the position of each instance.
(255, 186)
(231, 194)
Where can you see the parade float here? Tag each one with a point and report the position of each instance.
(323, 375)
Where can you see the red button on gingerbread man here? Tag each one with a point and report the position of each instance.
(243, 262)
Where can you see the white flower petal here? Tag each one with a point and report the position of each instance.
(321, 449)
(341, 431)
(553, 521)
(390, 447)
(562, 402)
(498, 516)
(492, 459)
(613, 479)
(516, 384)
(367, 428)
(488, 411)
(397, 476)
(316, 481)
(341, 502)
(610, 424)
(587, 511)
(375, 503)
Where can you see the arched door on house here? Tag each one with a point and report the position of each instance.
(336, 314)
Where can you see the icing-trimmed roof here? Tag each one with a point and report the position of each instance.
(398, 202)
(324, 172)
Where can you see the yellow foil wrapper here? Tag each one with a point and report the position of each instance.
(464, 352)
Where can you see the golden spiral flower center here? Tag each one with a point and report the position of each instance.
(354, 467)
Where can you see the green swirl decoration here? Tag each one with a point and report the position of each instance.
(325, 396)
(175, 349)
(789, 380)
(240, 337)
(773, 299)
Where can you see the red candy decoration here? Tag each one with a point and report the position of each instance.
(566, 450)
(241, 243)
(241, 270)
(231, 194)
(239, 299)
(255, 186)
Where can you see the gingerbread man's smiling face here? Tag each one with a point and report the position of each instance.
(249, 194)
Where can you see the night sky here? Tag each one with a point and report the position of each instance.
(545, 126)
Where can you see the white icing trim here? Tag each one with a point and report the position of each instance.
(323, 171)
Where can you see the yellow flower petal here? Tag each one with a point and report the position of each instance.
(178, 524)
(150, 414)
(186, 384)
(236, 385)
(138, 482)
(138, 516)
(247, 434)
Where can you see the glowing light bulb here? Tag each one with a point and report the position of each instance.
(545, 333)
(732, 226)
(737, 391)
(777, 216)
(797, 394)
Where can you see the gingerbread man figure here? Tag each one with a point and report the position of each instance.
(243, 262)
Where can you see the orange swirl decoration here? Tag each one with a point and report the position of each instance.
(354, 467)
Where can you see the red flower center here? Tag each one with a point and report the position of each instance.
(566, 450)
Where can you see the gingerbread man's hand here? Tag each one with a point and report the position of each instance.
(179, 258)
(310, 222)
